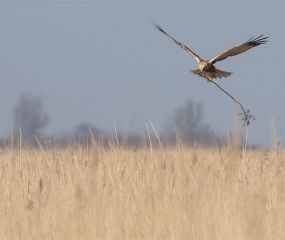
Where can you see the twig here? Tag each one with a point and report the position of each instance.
(246, 116)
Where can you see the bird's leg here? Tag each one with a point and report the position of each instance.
(209, 79)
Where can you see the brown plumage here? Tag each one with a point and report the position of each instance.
(207, 69)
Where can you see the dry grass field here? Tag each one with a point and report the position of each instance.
(146, 193)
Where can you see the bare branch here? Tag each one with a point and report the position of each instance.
(246, 116)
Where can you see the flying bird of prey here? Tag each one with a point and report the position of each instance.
(207, 69)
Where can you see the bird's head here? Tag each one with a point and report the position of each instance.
(202, 65)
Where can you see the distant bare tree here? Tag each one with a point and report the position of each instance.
(187, 120)
(29, 114)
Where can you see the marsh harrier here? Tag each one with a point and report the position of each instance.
(207, 69)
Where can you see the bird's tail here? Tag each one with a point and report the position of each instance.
(210, 75)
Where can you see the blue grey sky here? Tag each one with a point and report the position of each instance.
(104, 62)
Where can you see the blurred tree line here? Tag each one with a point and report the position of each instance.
(186, 122)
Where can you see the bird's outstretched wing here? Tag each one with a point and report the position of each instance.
(252, 42)
(194, 55)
